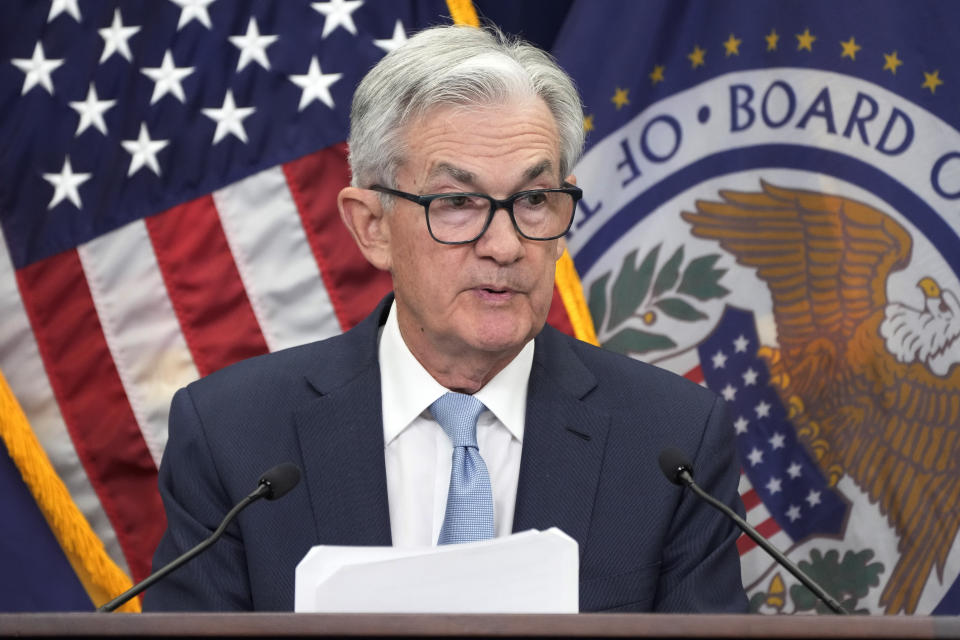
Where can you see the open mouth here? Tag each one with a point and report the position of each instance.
(494, 293)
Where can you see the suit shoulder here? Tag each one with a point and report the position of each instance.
(289, 372)
(283, 363)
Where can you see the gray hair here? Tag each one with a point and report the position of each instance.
(453, 65)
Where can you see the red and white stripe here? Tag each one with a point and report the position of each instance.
(754, 561)
(269, 246)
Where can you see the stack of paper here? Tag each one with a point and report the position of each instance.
(529, 572)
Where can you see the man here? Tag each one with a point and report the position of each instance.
(461, 144)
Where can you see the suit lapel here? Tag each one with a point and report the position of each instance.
(341, 437)
(563, 443)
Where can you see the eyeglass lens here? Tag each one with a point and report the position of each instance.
(461, 218)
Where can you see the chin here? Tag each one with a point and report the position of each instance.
(501, 336)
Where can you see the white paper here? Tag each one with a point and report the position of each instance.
(528, 572)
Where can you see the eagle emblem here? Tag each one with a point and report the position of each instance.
(872, 385)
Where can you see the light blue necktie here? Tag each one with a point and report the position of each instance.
(469, 515)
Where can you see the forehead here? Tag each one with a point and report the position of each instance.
(482, 143)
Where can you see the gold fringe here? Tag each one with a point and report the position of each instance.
(463, 12)
(99, 575)
(571, 292)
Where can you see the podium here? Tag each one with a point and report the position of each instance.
(309, 625)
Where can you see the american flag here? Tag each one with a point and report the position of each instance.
(168, 181)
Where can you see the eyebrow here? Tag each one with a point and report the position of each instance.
(468, 177)
(538, 170)
(458, 174)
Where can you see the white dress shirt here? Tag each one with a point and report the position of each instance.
(418, 453)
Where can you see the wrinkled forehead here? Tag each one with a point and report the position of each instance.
(453, 139)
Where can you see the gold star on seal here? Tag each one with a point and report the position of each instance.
(657, 74)
(732, 46)
(772, 38)
(696, 57)
(931, 81)
(850, 49)
(620, 97)
(588, 123)
(891, 62)
(805, 40)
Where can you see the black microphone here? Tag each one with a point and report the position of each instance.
(273, 484)
(678, 470)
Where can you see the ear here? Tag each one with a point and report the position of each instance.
(364, 216)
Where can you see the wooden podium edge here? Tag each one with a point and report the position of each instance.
(475, 626)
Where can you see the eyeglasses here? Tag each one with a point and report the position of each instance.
(461, 218)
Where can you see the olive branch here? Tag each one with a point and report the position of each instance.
(848, 580)
(641, 291)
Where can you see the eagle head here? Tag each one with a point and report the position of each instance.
(928, 335)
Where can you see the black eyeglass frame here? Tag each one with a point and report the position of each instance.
(495, 205)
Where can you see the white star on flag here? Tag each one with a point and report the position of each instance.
(64, 6)
(729, 393)
(38, 70)
(66, 184)
(91, 111)
(755, 457)
(398, 38)
(749, 377)
(315, 85)
(740, 426)
(115, 38)
(253, 46)
(168, 78)
(793, 513)
(719, 360)
(193, 10)
(813, 498)
(777, 441)
(794, 470)
(773, 486)
(740, 344)
(762, 409)
(338, 13)
(229, 118)
(143, 151)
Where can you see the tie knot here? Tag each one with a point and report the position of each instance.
(457, 413)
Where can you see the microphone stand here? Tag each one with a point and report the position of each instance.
(263, 490)
(684, 476)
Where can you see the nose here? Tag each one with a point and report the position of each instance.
(500, 241)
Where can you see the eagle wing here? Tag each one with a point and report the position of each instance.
(890, 426)
(898, 436)
(825, 260)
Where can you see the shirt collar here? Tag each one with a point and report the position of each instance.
(408, 390)
(506, 394)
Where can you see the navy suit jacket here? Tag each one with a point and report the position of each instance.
(595, 425)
